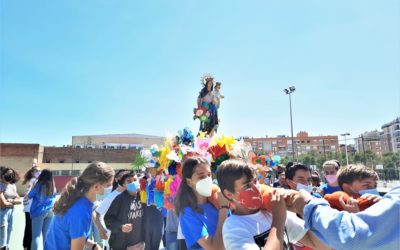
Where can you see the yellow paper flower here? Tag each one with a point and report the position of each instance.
(167, 189)
(143, 196)
(226, 141)
(202, 135)
(164, 161)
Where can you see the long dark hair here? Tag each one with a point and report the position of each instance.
(46, 182)
(185, 196)
(97, 172)
(116, 178)
(204, 91)
(29, 174)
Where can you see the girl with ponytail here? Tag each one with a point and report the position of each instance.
(70, 226)
(29, 181)
(43, 195)
(200, 221)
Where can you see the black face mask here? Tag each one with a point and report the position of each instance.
(8, 178)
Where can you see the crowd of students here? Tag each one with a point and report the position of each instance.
(102, 209)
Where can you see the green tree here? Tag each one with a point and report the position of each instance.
(390, 162)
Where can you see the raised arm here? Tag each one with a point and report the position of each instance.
(275, 237)
(216, 242)
(102, 230)
(350, 230)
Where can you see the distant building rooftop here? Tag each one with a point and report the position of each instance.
(121, 135)
(397, 120)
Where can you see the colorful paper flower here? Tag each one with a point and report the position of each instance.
(226, 141)
(201, 113)
(217, 150)
(241, 150)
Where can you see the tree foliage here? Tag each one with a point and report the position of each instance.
(390, 162)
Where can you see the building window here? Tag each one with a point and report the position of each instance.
(90, 161)
(75, 172)
(76, 161)
(55, 172)
(64, 172)
(61, 161)
(48, 161)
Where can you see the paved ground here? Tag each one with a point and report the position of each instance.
(18, 229)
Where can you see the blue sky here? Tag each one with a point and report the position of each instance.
(101, 67)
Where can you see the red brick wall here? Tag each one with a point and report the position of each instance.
(17, 149)
(61, 181)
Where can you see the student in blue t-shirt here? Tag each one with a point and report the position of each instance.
(43, 195)
(71, 223)
(200, 221)
(330, 170)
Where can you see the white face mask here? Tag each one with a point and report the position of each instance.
(307, 188)
(204, 187)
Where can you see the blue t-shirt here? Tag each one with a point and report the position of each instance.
(41, 203)
(329, 190)
(74, 224)
(3, 186)
(196, 225)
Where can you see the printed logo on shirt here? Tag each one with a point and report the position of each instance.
(262, 238)
(136, 210)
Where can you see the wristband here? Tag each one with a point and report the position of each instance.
(221, 207)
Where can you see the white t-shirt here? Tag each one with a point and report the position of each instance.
(28, 202)
(106, 203)
(251, 231)
(180, 235)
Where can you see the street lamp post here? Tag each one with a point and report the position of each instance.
(345, 147)
(289, 92)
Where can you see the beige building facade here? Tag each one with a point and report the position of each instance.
(116, 141)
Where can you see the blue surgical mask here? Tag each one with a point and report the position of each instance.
(133, 187)
(369, 191)
(106, 192)
(307, 188)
